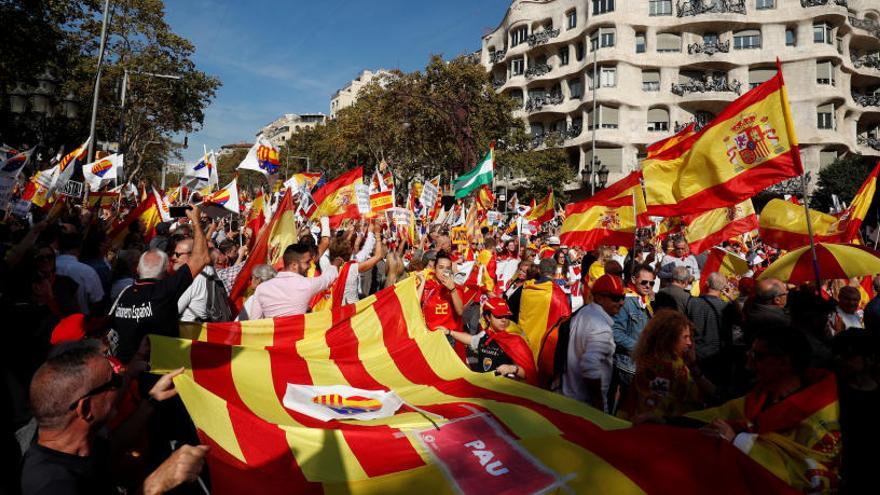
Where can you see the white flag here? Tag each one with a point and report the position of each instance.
(12, 163)
(101, 172)
(326, 403)
(262, 157)
(226, 198)
(68, 164)
(164, 209)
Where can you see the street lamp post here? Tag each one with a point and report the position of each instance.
(101, 48)
(124, 92)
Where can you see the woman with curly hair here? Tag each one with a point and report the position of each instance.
(666, 382)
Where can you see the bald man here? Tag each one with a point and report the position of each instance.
(768, 309)
(73, 396)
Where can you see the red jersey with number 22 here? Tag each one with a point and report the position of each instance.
(438, 308)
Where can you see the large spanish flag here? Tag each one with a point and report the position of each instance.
(609, 217)
(269, 247)
(860, 205)
(147, 213)
(750, 146)
(783, 225)
(716, 226)
(337, 199)
(409, 417)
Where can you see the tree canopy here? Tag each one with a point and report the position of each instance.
(843, 178)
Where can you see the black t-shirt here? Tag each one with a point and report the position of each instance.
(49, 472)
(488, 356)
(148, 306)
(860, 434)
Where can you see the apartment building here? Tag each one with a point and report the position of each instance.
(282, 128)
(346, 96)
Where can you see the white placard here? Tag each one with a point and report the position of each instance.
(362, 193)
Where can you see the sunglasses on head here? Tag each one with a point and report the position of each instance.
(114, 383)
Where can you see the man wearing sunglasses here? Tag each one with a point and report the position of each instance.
(73, 395)
(627, 327)
(591, 345)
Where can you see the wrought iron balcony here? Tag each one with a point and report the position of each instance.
(870, 100)
(542, 37)
(572, 131)
(537, 70)
(538, 102)
(709, 48)
(707, 85)
(869, 25)
(819, 3)
(497, 56)
(869, 141)
(870, 60)
(686, 8)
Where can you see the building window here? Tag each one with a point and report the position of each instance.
(563, 55)
(640, 43)
(517, 96)
(602, 6)
(710, 38)
(575, 88)
(790, 37)
(747, 40)
(765, 4)
(758, 76)
(660, 7)
(823, 33)
(658, 120)
(579, 51)
(608, 117)
(668, 42)
(607, 77)
(825, 116)
(606, 37)
(650, 80)
(825, 73)
(517, 66)
(519, 35)
(572, 17)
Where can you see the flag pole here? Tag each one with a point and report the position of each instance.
(810, 231)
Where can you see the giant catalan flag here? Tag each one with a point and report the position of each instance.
(748, 147)
(364, 399)
(336, 199)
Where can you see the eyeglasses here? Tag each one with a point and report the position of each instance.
(646, 283)
(175, 254)
(114, 383)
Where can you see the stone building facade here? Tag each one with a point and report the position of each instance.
(282, 128)
(660, 64)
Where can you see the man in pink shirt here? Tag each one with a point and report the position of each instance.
(290, 292)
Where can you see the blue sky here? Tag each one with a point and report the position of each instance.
(277, 57)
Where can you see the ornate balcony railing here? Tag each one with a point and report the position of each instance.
(572, 131)
(869, 141)
(872, 100)
(819, 3)
(537, 70)
(705, 86)
(686, 8)
(538, 102)
(709, 48)
(871, 60)
(869, 25)
(542, 37)
(497, 56)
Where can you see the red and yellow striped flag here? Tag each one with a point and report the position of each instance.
(716, 226)
(239, 387)
(750, 146)
(544, 211)
(859, 206)
(542, 306)
(381, 201)
(783, 225)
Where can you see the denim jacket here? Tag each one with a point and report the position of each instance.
(627, 327)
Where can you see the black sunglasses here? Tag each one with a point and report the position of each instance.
(114, 383)
(646, 283)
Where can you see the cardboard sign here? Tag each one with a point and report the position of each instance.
(362, 194)
(72, 189)
(493, 217)
(429, 195)
(400, 217)
(480, 458)
(458, 235)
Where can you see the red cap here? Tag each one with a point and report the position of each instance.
(69, 329)
(608, 285)
(498, 307)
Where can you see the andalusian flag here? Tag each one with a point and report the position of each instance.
(259, 393)
(337, 199)
(269, 247)
(147, 214)
(481, 175)
(783, 225)
(750, 146)
(544, 211)
(730, 265)
(716, 226)
(860, 204)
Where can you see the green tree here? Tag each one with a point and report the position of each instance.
(843, 178)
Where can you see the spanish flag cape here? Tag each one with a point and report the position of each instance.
(797, 439)
(542, 305)
(455, 431)
(514, 344)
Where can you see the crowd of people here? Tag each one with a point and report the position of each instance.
(637, 332)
